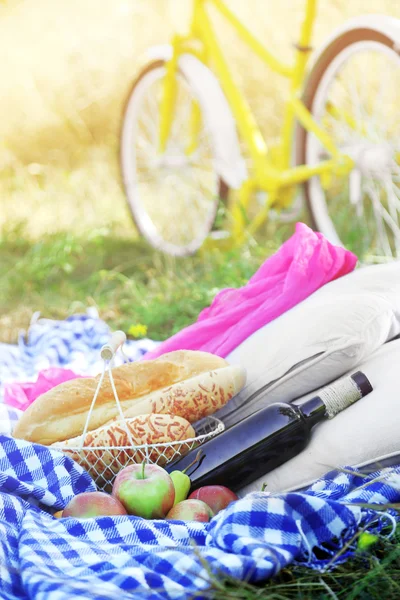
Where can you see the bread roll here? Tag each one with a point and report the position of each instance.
(186, 383)
(194, 398)
(103, 465)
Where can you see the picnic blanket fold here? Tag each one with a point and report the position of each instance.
(54, 351)
(129, 557)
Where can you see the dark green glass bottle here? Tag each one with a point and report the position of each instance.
(266, 439)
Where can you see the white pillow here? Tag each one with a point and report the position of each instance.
(318, 340)
(366, 432)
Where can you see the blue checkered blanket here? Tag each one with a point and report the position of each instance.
(127, 557)
(74, 344)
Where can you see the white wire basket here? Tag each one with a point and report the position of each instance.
(103, 463)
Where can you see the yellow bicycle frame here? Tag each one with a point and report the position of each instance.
(268, 176)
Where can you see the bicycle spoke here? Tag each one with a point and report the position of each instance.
(207, 194)
(355, 100)
(393, 203)
(154, 106)
(148, 181)
(174, 195)
(346, 109)
(149, 127)
(396, 192)
(342, 126)
(195, 193)
(362, 84)
(144, 148)
(380, 216)
(395, 169)
(395, 199)
(380, 96)
(203, 146)
(200, 171)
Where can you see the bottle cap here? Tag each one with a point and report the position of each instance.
(345, 392)
(362, 382)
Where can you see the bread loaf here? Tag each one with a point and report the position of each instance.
(185, 383)
(108, 449)
(194, 398)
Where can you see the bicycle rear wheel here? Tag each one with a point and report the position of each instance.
(352, 93)
(173, 196)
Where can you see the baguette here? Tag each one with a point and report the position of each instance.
(185, 383)
(104, 464)
(194, 398)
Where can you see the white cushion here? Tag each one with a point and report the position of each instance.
(318, 340)
(367, 431)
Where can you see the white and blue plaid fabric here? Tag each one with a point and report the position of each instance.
(126, 557)
(71, 344)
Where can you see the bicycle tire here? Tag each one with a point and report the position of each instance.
(140, 222)
(341, 44)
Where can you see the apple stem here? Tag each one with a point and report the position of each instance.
(193, 462)
(143, 466)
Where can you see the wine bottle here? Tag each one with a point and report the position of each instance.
(266, 439)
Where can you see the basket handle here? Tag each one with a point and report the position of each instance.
(109, 350)
(107, 353)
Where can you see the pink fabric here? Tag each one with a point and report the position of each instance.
(21, 395)
(302, 265)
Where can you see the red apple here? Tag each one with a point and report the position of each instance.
(93, 504)
(191, 510)
(144, 490)
(216, 496)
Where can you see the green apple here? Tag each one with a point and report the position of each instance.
(182, 481)
(182, 484)
(144, 490)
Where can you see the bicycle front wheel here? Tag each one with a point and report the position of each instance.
(352, 93)
(173, 196)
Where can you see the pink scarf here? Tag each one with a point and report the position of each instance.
(302, 265)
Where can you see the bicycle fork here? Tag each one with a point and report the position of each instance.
(168, 97)
(242, 226)
(168, 102)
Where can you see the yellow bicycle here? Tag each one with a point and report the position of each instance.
(186, 121)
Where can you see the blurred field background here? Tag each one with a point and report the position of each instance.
(66, 238)
(66, 70)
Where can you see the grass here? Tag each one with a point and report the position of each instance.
(127, 281)
(372, 573)
(369, 576)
